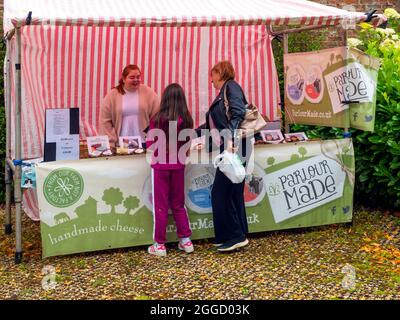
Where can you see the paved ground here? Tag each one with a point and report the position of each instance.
(332, 262)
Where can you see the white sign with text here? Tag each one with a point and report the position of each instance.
(67, 148)
(303, 186)
(349, 83)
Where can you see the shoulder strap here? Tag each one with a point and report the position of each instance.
(226, 98)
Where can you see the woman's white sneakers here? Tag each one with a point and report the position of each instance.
(217, 244)
(187, 246)
(157, 250)
(232, 245)
(161, 251)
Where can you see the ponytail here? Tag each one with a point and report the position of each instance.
(120, 86)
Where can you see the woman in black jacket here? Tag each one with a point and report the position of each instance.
(227, 198)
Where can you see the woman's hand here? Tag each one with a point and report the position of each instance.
(198, 146)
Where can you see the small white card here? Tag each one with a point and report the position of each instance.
(57, 124)
(98, 146)
(295, 137)
(130, 142)
(67, 148)
(272, 136)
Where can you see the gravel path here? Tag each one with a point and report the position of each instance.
(331, 262)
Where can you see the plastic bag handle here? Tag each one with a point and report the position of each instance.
(218, 160)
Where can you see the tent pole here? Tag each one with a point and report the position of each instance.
(346, 129)
(18, 154)
(8, 174)
(285, 51)
(10, 34)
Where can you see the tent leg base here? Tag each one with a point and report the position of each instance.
(8, 229)
(18, 257)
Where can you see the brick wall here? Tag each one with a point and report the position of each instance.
(333, 38)
(362, 5)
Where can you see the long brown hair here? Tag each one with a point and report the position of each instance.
(172, 106)
(125, 72)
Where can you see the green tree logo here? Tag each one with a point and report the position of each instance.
(345, 149)
(63, 187)
(131, 203)
(332, 60)
(274, 189)
(270, 161)
(339, 58)
(302, 151)
(294, 157)
(112, 197)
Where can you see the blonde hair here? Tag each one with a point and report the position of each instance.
(225, 70)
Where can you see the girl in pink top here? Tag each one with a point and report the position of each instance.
(168, 168)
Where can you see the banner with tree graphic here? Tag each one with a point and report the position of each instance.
(97, 204)
(320, 86)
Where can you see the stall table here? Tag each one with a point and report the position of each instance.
(104, 203)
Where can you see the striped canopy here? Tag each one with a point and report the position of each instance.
(173, 12)
(74, 52)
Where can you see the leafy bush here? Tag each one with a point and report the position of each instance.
(377, 153)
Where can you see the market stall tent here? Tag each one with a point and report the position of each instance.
(63, 54)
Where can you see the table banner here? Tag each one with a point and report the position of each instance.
(104, 203)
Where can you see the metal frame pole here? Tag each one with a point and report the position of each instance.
(346, 129)
(297, 30)
(18, 154)
(8, 173)
(286, 50)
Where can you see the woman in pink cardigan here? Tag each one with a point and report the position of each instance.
(126, 110)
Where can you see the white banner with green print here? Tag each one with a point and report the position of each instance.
(104, 203)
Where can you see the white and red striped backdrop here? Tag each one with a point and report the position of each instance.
(65, 67)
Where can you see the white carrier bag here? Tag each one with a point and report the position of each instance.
(230, 164)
